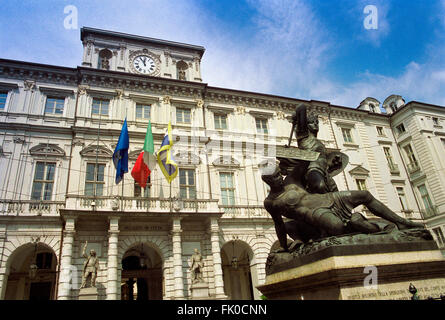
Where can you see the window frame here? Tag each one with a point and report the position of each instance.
(359, 185)
(53, 112)
(144, 106)
(183, 111)
(44, 182)
(6, 92)
(217, 117)
(263, 129)
(94, 182)
(187, 186)
(349, 135)
(100, 113)
(231, 194)
(147, 189)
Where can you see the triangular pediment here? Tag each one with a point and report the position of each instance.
(359, 171)
(46, 149)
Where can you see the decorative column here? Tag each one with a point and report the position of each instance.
(112, 264)
(177, 259)
(3, 271)
(66, 279)
(217, 265)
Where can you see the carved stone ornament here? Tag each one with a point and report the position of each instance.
(100, 151)
(240, 110)
(226, 161)
(29, 85)
(199, 103)
(19, 140)
(178, 204)
(45, 149)
(82, 89)
(166, 100)
(119, 93)
(78, 142)
(280, 115)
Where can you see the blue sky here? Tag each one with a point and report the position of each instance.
(314, 49)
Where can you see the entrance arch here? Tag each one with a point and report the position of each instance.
(141, 277)
(25, 282)
(238, 263)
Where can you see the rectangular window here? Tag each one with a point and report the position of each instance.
(261, 125)
(3, 97)
(388, 154)
(42, 187)
(347, 135)
(380, 131)
(220, 121)
(227, 188)
(435, 121)
(143, 111)
(427, 203)
(400, 129)
(361, 184)
(100, 107)
(142, 192)
(54, 105)
(412, 161)
(439, 235)
(95, 179)
(183, 115)
(187, 185)
(402, 198)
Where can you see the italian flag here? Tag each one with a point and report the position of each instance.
(145, 161)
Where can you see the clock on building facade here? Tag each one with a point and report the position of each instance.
(145, 62)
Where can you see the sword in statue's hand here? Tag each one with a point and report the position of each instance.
(294, 123)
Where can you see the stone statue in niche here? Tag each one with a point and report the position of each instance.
(302, 189)
(90, 267)
(196, 266)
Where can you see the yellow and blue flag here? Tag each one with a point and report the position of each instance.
(165, 157)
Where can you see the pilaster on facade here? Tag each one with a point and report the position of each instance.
(113, 284)
(217, 263)
(177, 258)
(66, 265)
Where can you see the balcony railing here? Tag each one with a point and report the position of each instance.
(429, 212)
(140, 204)
(244, 211)
(32, 207)
(413, 167)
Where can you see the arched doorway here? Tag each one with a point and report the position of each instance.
(32, 273)
(238, 271)
(141, 274)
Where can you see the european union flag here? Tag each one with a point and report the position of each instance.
(165, 158)
(120, 155)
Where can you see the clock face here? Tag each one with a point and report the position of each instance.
(144, 64)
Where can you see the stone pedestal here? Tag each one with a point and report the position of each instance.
(376, 269)
(88, 293)
(199, 291)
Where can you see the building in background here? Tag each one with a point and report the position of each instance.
(59, 127)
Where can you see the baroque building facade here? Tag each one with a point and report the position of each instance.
(59, 127)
